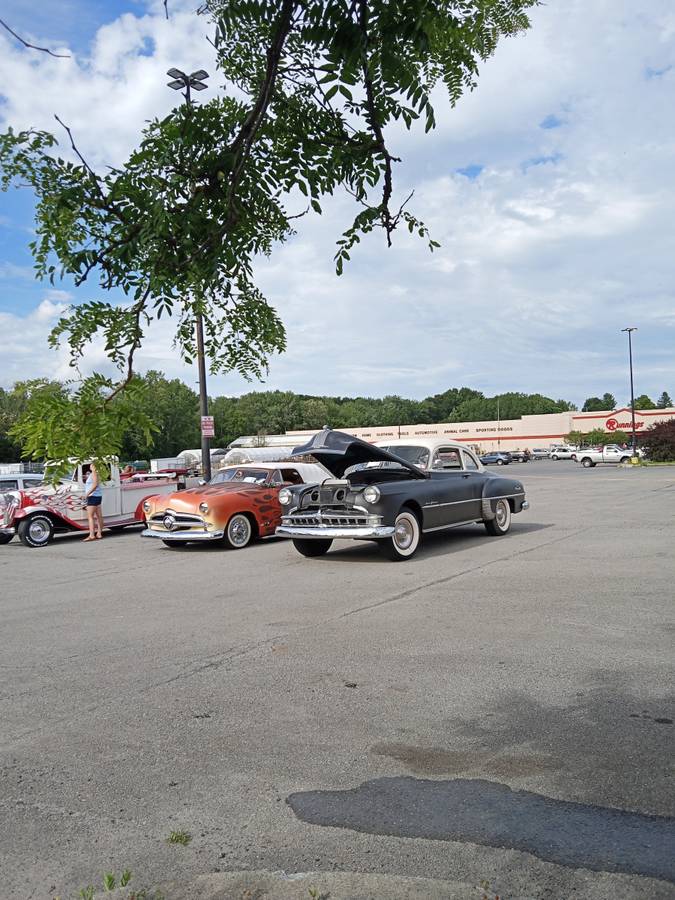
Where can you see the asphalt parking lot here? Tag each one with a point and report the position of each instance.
(496, 713)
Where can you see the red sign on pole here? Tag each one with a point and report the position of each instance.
(207, 426)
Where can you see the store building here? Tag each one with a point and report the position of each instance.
(527, 432)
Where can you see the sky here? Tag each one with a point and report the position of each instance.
(550, 189)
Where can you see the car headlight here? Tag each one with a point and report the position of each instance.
(203, 507)
(147, 506)
(285, 496)
(371, 494)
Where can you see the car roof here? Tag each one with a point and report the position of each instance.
(429, 443)
(308, 471)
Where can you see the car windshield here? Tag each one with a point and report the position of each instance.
(418, 456)
(250, 476)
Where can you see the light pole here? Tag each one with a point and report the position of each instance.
(188, 83)
(632, 392)
(499, 436)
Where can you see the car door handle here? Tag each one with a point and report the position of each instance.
(466, 474)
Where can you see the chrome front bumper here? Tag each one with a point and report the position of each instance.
(7, 529)
(335, 532)
(183, 535)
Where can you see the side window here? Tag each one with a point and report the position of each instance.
(8, 485)
(446, 458)
(290, 476)
(470, 463)
(275, 477)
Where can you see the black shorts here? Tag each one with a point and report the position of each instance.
(94, 501)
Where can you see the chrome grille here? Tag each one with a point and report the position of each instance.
(332, 517)
(180, 521)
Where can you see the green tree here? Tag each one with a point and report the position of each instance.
(609, 402)
(664, 401)
(644, 402)
(314, 87)
(13, 405)
(51, 425)
(174, 408)
(659, 442)
(565, 406)
(594, 404)
(506, 406)
(442, 406)
(576, 438)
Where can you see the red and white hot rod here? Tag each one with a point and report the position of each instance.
(37, 514)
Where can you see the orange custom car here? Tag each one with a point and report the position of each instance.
(240, 503)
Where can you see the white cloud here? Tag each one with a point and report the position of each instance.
(564, 236)
(108, 95)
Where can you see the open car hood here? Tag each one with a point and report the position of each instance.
(337, 452)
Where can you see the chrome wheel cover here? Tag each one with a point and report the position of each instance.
(38, 531)
(405, 533)
(501, 514)
(239, 531)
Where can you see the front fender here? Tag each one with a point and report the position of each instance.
(61, 521)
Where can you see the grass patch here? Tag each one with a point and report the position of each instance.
(179, 837)
(112, 882)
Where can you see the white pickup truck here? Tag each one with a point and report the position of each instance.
(612, 453)
(36, 514)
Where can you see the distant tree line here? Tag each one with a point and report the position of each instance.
(174, 407)
(607, 402)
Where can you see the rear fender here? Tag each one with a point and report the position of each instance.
(494, 492)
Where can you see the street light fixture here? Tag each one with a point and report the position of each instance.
(193, 82)
(188, 83)
(632, 392)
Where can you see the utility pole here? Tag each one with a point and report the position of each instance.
(632, 391)
(499, 436)
(195, 82)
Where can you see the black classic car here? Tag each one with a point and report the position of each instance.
(376, 495)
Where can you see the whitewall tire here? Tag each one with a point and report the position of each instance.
(239, 532)
(406, 538)
(502, 521)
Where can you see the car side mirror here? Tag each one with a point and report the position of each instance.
(202, 482)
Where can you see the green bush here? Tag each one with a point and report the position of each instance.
(659, 442)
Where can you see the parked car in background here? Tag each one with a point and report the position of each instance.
(521, 456)
(240, 503)
(375, 495)
(496, 459)
(540, 453)
(612, 453)
(561, 451)
(20, 482)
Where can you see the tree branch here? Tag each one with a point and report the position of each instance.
(84, 162)
(30, 46)
(241, 145)
(388, 222)
(135, 344)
